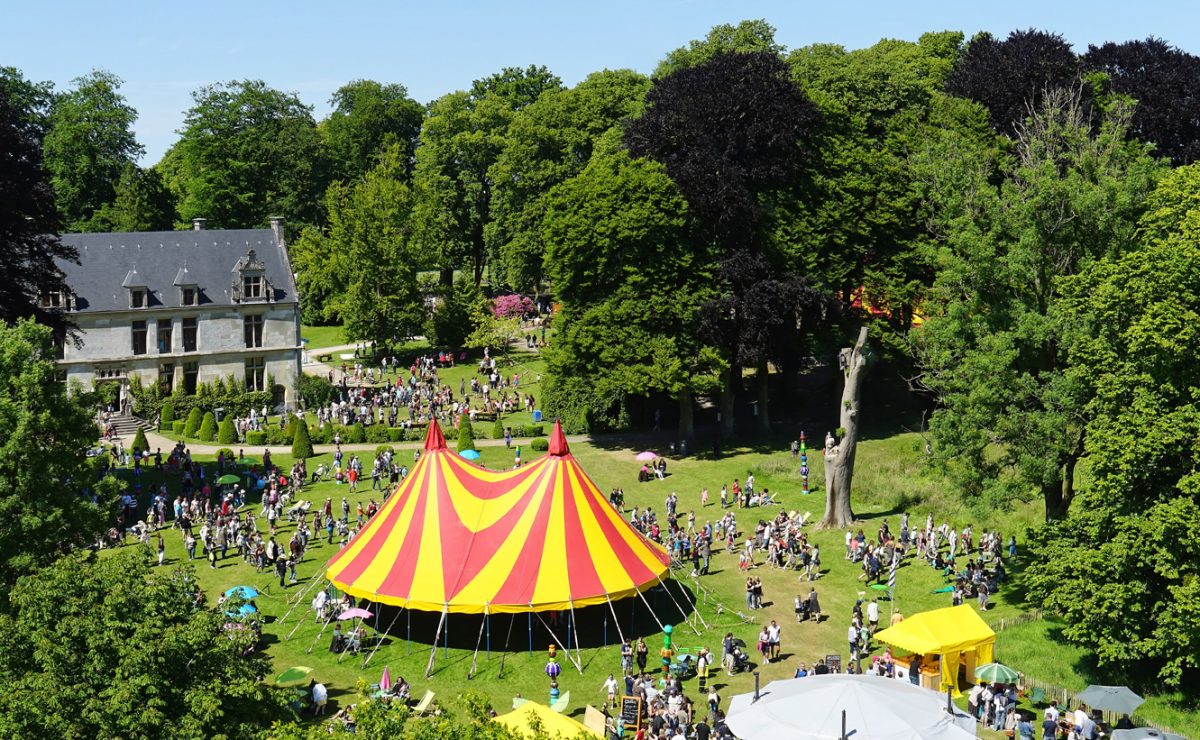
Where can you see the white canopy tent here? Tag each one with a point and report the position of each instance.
(811, 708)
(1145, 733)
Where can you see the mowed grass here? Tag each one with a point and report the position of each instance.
(891, 479)
(318, 337)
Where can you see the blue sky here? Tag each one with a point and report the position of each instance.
(165, 49)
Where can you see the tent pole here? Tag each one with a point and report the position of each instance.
(647, 603)
(691, 602)
(616, 621)
(504, 655)
(574, 662)
(682, 613)
(488, 621)
(530, 616)
(379, 640)
(575, 629)
(318, 637)
(436, 635)
(474, 658)
(408, 637)
(299, 598)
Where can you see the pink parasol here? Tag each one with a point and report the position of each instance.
(647, 456)
(385, 683)
(355, 613)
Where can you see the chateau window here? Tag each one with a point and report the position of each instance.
(189, 297)
(253, 330)
(252, 286)
(189, 334)
(53, 299)
(139, 337)
(255, 370)
(191, 371)
(137, 297)
(166, 377)
(164, 336)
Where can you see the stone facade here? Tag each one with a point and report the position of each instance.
(184, 308)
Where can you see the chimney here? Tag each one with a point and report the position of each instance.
(277, 228)
(198, 224)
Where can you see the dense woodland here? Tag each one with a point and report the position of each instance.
(1016, 222)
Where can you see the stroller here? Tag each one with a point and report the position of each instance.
(301, 507)
(740, 659)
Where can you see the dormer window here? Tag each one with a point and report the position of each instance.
(188, 297)
(252, 287)
(138, 293)
(250, 283)
(189, 292)
(54, 299)
(137, 297)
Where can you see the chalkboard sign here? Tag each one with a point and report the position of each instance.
(631, 711)
(834, 662)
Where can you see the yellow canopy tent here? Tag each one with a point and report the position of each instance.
(552, 723)
(946, 633)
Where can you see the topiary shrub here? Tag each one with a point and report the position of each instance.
(208, 428)
(520, 430)
(230, 456)
(395, 434)
(377, 433)
(139, 442)
(226, 432)
(192, 426)
(321, 435)
(539, 444)
(358, 434)
(256, 438)
(301, 444)
(166, 417)
(498, 428)
(177, 426)
(536, 430)
(466, 435)
(277, 436)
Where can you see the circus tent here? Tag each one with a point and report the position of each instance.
(455, 537)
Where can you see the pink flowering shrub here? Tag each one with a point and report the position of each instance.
(511, 306)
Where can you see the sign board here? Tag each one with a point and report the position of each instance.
(834, 662)
(631, 711)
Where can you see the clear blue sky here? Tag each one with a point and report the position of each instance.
(165, 49)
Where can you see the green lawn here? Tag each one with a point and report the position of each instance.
(323, 336)
(891, 479)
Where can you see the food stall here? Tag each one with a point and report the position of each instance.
(948, 640)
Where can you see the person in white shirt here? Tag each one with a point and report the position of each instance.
(610, 686)
(320, 695)
(1052, 711)
(1081, 717)
(873, 615)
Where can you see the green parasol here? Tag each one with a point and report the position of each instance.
(996, 673)
(293, 676)
(227, 480)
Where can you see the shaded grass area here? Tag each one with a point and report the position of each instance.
(891, 479)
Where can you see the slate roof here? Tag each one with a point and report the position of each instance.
(158, 258)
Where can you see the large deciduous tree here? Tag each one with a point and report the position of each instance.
(108, 647)
(632, 285)
(461, 139)
(141, 203)
(730, 131)
(747, 36)
(1165, 81)
(1010, 76)
(29, 220)
(1013, 417)
(546, 143)
(89, 144)
(246, 152)
(368, 117)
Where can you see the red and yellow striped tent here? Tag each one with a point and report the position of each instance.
(456, 537)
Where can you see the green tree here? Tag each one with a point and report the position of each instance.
(632, 284)
(87, 638)
(246, 152)
(226, 432)
(367, 118)
(320, 276)
(747, 36)
(466, 434)
(208, 428)
(139, 443)
(45, 475)
(370, 229)
(194, 418)
(456, 317)
(302, 448)
(546, 143)
(166, 415)
(89, 144)
(142, 203)
(461, 139)
(29, 219)
(1011, 419)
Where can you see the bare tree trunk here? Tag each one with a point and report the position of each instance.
(725, 408)
(839, 460)
(687, 425)
(764, 396)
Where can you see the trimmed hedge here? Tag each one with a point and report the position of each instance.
(466, 435)
(256, 438)
(166, 417)
(539, 444)
(498, 429)
(139, 442)
(226, 433)
(395, 434)
(208, 428)
(301, 444)
(194, 417)
(177, 426)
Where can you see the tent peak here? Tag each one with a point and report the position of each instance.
(558, 441)
(434, 439)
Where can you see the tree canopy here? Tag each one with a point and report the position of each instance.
(367, 118)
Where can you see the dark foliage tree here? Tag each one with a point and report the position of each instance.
(367, 117)
(1165, 81)
(29, 220)
(1010, 77)
(141, 203)
(729, 131)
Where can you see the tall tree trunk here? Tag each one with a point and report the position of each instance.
(447, 276)
(839, 460)
(725, 407)
(687, 425)
(764, 396)
(1059, 494)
